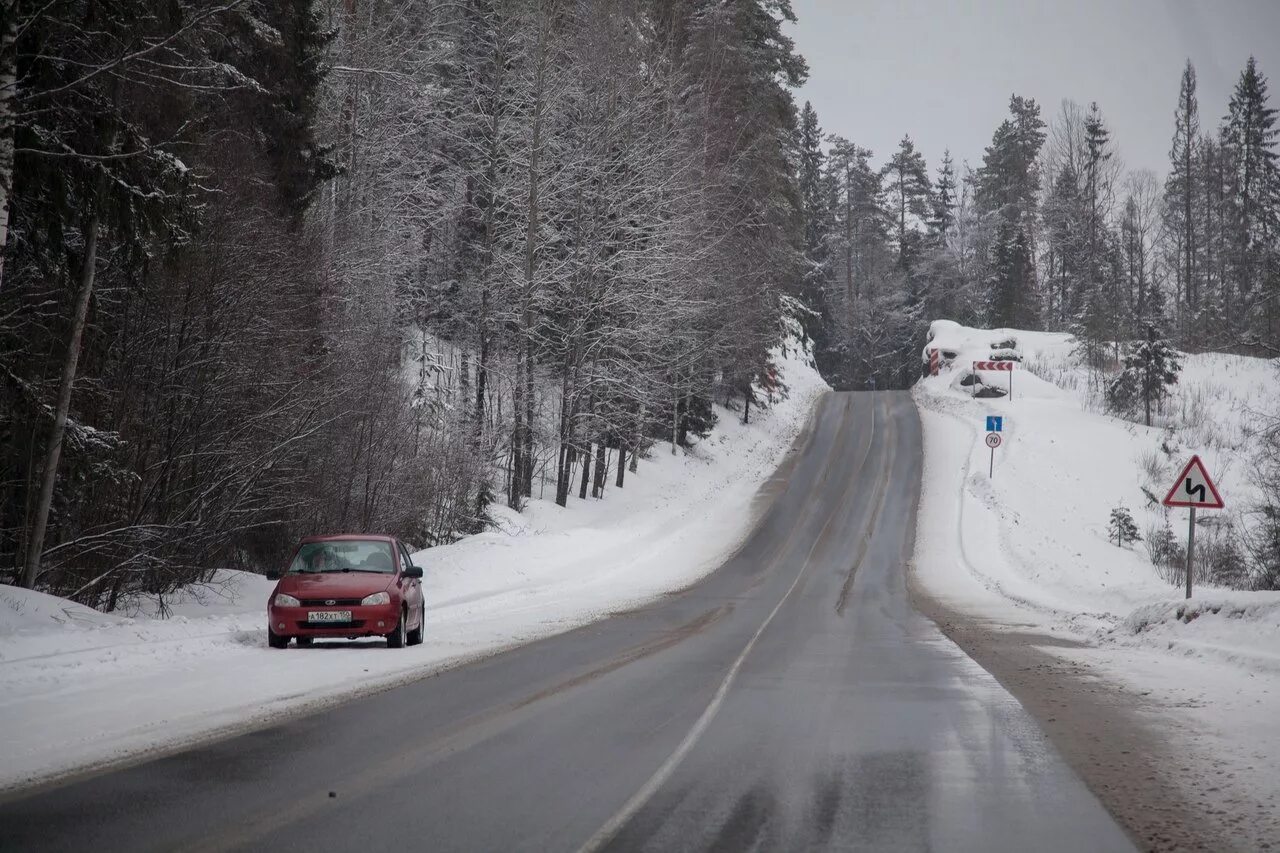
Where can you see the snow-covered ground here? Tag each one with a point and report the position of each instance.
(1029, 547)
(81, 687)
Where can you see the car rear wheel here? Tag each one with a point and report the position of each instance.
(415, 636)
(276, 641)
(396, 638)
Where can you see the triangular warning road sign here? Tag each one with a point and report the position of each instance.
(1194, 488)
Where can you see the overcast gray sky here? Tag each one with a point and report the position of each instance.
(943, 71)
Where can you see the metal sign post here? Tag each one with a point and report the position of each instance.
(993, 441)
(1193, 489)
(1191, 549)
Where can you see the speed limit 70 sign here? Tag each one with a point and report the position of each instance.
(993, 441)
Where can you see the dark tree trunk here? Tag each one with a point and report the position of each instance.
(53, 450)
(526, 474)
(586, 472)
(602, 458)
(635, 448)
(515, 486)
(564, 474)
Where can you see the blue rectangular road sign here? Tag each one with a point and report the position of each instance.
(995, 423)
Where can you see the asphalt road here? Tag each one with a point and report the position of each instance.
(792, 700)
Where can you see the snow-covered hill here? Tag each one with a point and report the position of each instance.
(1025, 552)
(1035, 532)
(82, 687)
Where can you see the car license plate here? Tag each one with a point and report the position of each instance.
(329, 616)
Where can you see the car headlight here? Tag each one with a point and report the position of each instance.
(376, 598)
(284, 600)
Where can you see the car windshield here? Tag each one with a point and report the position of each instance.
(347, 555)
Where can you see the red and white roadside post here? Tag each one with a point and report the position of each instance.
(935, 361)
(1193, 489)
(997, 365)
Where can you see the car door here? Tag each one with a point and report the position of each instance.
(413, 587)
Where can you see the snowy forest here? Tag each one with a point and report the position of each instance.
(271, 268)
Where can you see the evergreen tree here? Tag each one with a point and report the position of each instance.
(1099, 316)
(860, 220)
(1011, 302)
(1010, 172)
(1122, 527)
(815, 207)
(1181, 192)
(1248, 143)
(1097, 191)
(942, 214)
(1008, 184)
(909, 193)
(292, 69)
(1150, 367)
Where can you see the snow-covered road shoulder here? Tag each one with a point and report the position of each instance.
(82, 688)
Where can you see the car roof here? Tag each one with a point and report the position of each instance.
(342, 537)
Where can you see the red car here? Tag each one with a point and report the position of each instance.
(348, 586)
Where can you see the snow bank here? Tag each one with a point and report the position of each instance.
(81, 687)
(1240, 627)
(27, 610)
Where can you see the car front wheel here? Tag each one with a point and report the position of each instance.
(275, 641)
(396, 639)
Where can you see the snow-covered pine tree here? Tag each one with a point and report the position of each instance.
(1122, 527)
(814, 202)
(1151, 366)
(863, 271)
(907, 185)
(942, 213)
(1011, 299)
(1008, 185)
(1248, 140)
(1100, 285)
(1181, 192)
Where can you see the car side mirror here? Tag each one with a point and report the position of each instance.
(274, 574)
(412, 571)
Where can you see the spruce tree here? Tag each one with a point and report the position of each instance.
(815, 208)
(909, 193)
(1096, 188)
(1122, 527)
(1008, 185)
(1011, 299)
(1181, 192)
(944, 199)
(1248, 143)
(1150, 367)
